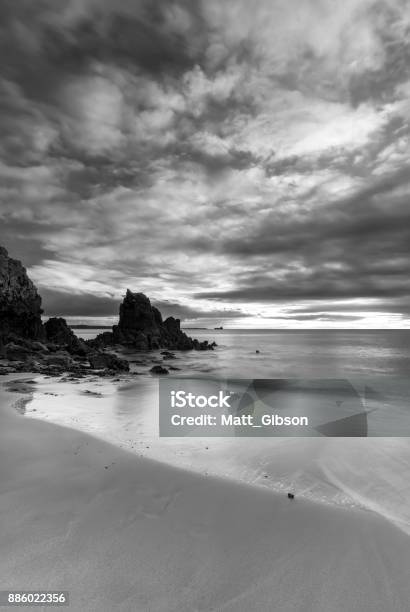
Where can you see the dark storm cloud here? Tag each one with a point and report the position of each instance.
(359, 247)
(60, 303)
(45, 48)
(319, 316)
(181, 311)
(375, 212)
(207, 150)
(379, 84)
(137, 34)
(23, 246)
(284, 292)
(220, 162)
(319, 284)
(376, 305)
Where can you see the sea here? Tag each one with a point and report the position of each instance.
(243, 353)
(371, 472)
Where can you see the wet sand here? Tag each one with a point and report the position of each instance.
(373, 473)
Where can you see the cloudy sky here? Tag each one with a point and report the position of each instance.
(243, 163)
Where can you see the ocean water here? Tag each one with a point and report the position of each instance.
(299, 354)
(373, 473)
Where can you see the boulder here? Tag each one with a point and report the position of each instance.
(16, 352)
(102, 340)
(99, 361)
(39, 347)
(173, 326)
(61, 359)
(32, 365)
(157, 369)
(58, 332)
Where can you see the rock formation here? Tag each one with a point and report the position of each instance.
(20, 304)
(58, 332)
(158, 369)
(141, 326)
(28, 345)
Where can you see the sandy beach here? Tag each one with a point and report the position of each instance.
(120, 532)
(371, 473)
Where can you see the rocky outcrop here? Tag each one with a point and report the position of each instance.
(139, 324)
(58, 332)
(141, 327)
(157, 369)
(102, 361)
(28, 345)
(20, 304)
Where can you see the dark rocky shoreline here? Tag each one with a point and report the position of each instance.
(29, 345)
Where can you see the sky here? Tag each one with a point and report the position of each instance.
(242, 163)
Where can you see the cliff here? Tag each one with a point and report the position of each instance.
(20, 304)
(29, 346)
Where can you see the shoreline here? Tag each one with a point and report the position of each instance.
(20, 403)
(129, 533)
(123, 412)
(163, 458)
